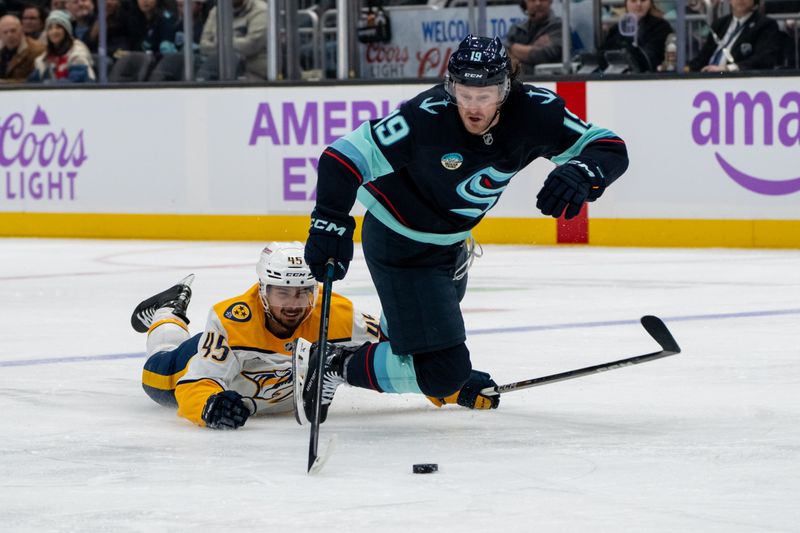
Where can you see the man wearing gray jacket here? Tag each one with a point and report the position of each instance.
(537, 39)
(249, 36)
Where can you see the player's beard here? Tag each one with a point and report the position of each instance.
(289, 318)
(477, 122)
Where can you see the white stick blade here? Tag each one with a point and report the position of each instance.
(302, 352)
(322, 456)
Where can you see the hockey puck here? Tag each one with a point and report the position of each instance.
(425, 468)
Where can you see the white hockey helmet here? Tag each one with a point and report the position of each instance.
(283, 265)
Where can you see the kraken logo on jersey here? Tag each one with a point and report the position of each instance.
(238, 312)
(272, 385)
(483, 189)
(452, 161)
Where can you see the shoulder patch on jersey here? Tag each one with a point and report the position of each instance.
(238, 312)
(544, 94)
(452, 161)
(429, 104)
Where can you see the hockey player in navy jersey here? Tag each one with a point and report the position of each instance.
(427, 174)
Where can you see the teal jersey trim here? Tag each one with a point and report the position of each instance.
(588, 135)
(359, 147)
(574, 122)
(386, 218)
(395, 373)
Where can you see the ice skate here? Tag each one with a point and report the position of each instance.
(332, 377)
(176, 297)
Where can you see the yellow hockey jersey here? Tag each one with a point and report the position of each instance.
(238, 352)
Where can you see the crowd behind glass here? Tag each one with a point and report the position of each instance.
(58, 41)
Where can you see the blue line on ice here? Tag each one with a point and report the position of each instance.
(602, 324)
(71, 359)
(472, 332)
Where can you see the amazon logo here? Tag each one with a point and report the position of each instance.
(752, 120)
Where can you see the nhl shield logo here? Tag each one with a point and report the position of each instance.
(452, 161)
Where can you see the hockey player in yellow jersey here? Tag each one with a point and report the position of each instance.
(241, 364)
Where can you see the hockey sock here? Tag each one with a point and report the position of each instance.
(375, 367)
(166, 333)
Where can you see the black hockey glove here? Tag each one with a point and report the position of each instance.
(330, 236)
(568, 187)
(225, 410)
(470, 394)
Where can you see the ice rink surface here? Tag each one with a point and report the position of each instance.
(705, 441)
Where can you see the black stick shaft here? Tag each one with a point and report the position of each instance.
(653, 325)
(580, 372)
(327, 285)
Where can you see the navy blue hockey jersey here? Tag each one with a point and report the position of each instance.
(422, 174)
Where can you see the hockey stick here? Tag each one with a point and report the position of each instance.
(327, 285)
(652, 324)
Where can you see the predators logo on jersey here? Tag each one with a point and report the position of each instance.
(273, 386)
(238, 312)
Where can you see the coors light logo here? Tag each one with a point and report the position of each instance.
(38, 161)
(750, 121)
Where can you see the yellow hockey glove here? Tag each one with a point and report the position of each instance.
(470, 394)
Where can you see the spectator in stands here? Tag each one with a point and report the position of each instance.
(536, 40)
(743, 40)
(33, 17)
(83, 15)
(118, 37)
(199, 15)
(710, 9)
(18, 51)
(791, 44)
(11, 7)
(249, 36)
(65, 59)
(790, 31)
(58, 4)
(152, 28)
(651, 35)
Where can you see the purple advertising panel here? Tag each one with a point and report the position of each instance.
(40, 158)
